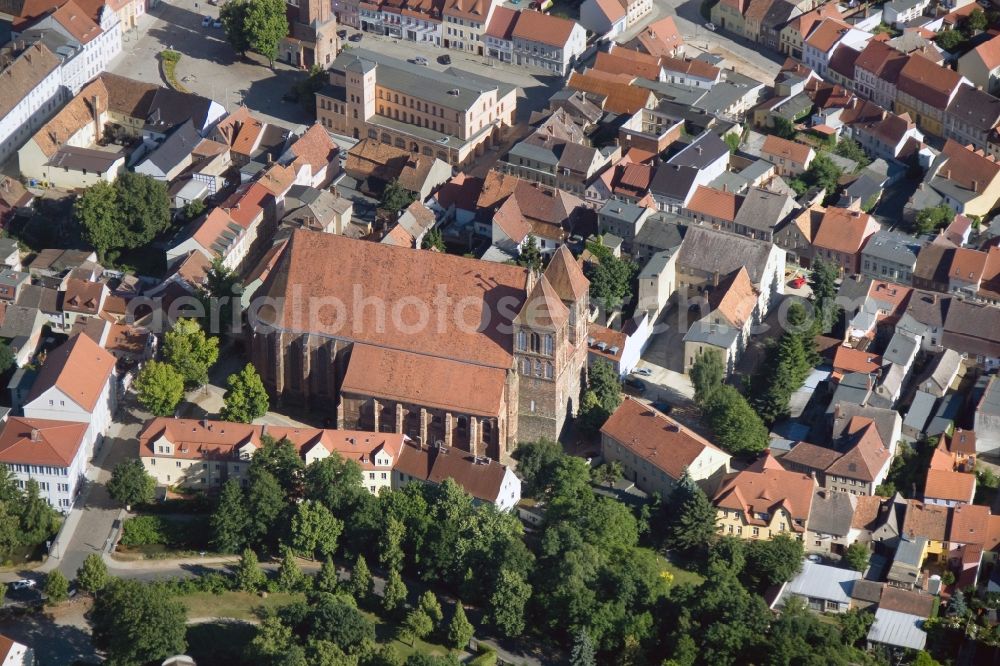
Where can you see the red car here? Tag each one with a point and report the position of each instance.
(797, 282)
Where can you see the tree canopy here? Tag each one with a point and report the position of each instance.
(246, 399)
(190, 351)
(395, 197)
(931, 219)
(737, 427)
(136, 624)
(255, 25)
(160, 388)
(131, 484)
(124, 215)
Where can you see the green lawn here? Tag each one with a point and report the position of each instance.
(385, 632)
(680, 576)
(236, 605)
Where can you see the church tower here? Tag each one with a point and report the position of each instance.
(550, 348)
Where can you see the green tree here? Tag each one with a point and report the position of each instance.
(608, 473)
(707, 375)
(246, 399)
(786, 367)
(529, 255)
(508, 602)
(950, 40)
(924, 658)
(96, 211)
(536, 463)
(693, 526)
(233, 17)
(583, 650)
(738, 429)
(159, 387)
(327, 580)
(92, 576)
(56, 587)
(931, 219)
(135, 624)
(360, 582)
(976, 22)
(824, 173)
(230, 520)
(394, 594)
(857, 556)
(265, 502)
(852, 150)
(773, 562)
(430, 605)
(6, 357)
(264, 26)
(249, 576)
(611, 281)
(337, 619)
(784, 127)
(433, 240)
(602, 397)
(290, 576)
(38, 520)
(315, 531)
(190, 351)
(390, 550)
(395, 197)
(131, 484)
(219, 292)
(854, 625)
(143, 208)
(416, 625)
(193, 209)
(280, 458)
(732, 140)
(460, 630)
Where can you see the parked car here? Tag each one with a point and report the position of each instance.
(217, 23)
(642, 372)
(342, 33)
(814, 558)
(420, 60)
(356, 37)
(206, 21)
(635, 384)
(797, 282)
(444, 59)
(23, 584)
(710, 26)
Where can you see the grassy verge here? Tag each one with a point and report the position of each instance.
(170, 59)
(235, 605)
(679, 575)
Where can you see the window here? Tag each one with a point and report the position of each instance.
(178, 463)
(549, 370)
(549, 345)
(522, 340)
(756, 531)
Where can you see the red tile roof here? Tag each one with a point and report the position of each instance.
(79, 368)
(775, 146)
(928, 82)
(543, 28)
(970, 523)
(765, 487)
(40, 441)
(844, 230)
(715, 203)
(945, 484)
(655, 438)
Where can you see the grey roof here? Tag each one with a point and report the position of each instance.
(40, 297)
(176, 147)
(8, 246)
(764, 210)
(975, 107)
(10, 278)
(536, 153)
(928, 307)
(673, 92)
(901, 350)
(717, 335)
(920, 411)
(720, 252)
(862, 189)
(74, 157)
(703, 152)
(724, 95)
(867, 590)
(622, 211)
(898, 629)
(821, 581)
(422, 82)
(323, 206)
(910, 550)
(990, 402)
(656, 264)
(854, 389)
(972, 329)
(673, 181)
(756, 169)
(730, 181)
(942, 371)
(659, 233)
(170, 108)
(947, 411)
(20, 322)
(885, 419)
(794, 107)
(892, 246)
(831, 512)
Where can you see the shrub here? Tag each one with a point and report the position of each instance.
(143, 531)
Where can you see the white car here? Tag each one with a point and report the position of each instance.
(710, 26)
(23, 584)
(206, 21)
(420, 60)
(814, 558)
(642, 372)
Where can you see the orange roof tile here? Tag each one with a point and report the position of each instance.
(846, 359)
(928, 81)
(764, 489)
(967, 264)
(79, 368)
(715, 203)
(968, 168)
(865, 459)
(655, 437)
(660, 38)
(431, 382)
(827, 34)
(76, 22)
(734, 298)
(694, 67)
(775, 146)
(844, 230)
(989, 52)
(543, 28)
(502, 23)
(946, 484)
(970, 523)
(926, 520)
(620, 98)
(40, 441)
(315, 148)
(566, 276)
(617, 63)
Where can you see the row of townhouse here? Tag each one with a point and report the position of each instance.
(482, 27)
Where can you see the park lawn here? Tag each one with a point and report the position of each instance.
(385, 633)
(236, 605)
(681, 576)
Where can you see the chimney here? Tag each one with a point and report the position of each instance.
(35, 435)
(975, 186)
(94, 109)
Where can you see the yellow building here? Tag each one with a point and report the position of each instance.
(924, 91)
(763, 501)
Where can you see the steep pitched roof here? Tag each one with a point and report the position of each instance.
(27, 70)
(928, 82)
(946, 484)
(566, 276)
(734, 298)
(763, 489)
(79, 368)
(715, 203)
(655, 437)
(926, 520)
(543, 307)
(844, 230)
(865, 459)
(775, 146)
(543, 28)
